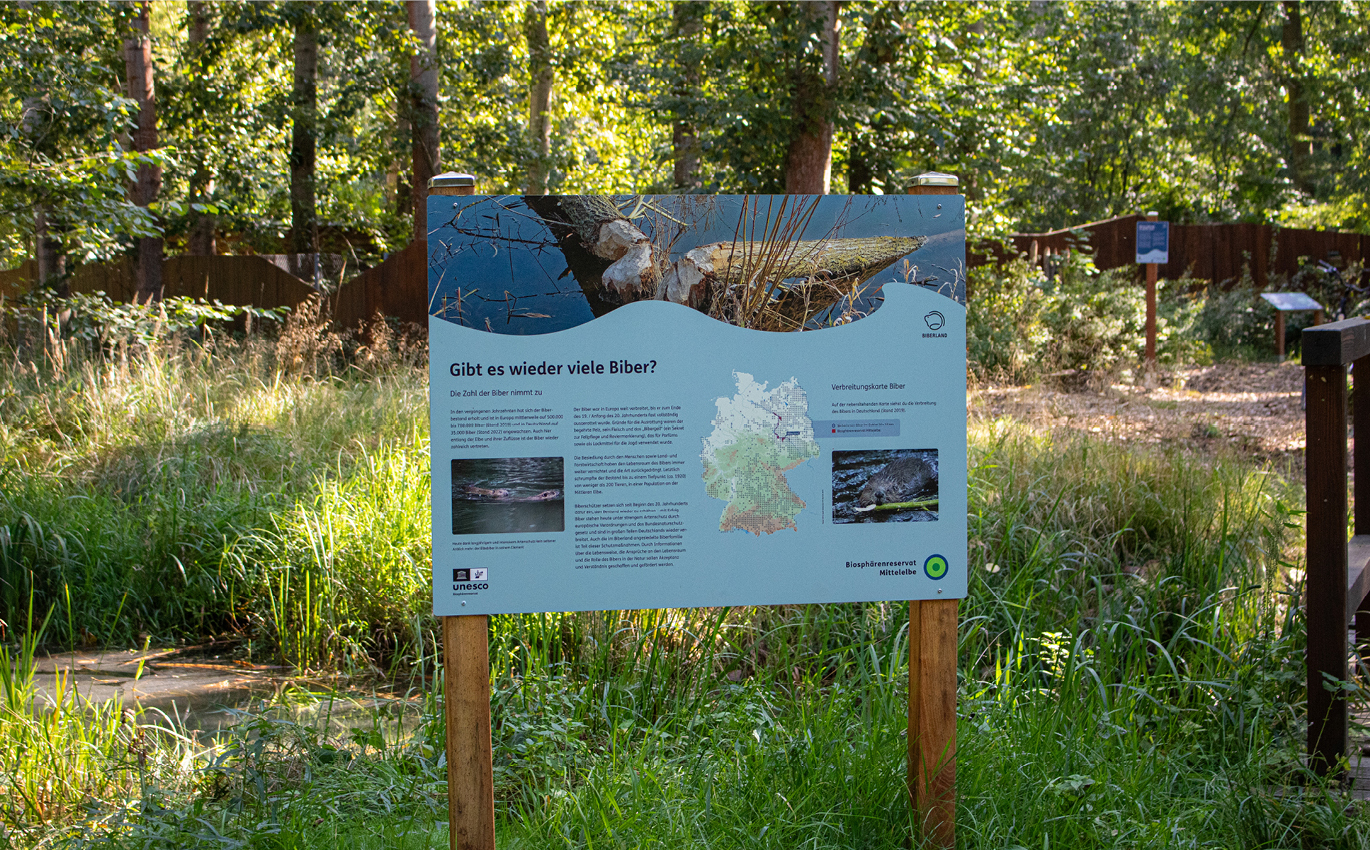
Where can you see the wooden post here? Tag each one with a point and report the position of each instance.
(1279, 334)
(1360, 426)
(466, 703)
(932, 676)
(1151, 306)
(466, 691)
(1325, 582)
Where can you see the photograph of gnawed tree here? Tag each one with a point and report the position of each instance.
(538, 264)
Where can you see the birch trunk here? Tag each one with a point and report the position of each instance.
(304, 100)
(139, 71)
(423, 90)
(539, 95)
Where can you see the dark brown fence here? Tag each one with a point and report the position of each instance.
(397, 287)
(1215, 252)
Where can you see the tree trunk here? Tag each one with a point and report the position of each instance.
(766, 264)
(689, 26)
(423, 91)
(138, 66)
(808, 163)
(52, 264)
(200, 240)
(304, 99)
(1300, 145)
(539, 95)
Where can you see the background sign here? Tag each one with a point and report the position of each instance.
(1153, 241)
(649, 454)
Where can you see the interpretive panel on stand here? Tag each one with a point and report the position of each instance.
(605, 435)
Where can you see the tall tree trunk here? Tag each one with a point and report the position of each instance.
(200, 240)
(1300, 145)
(689, 25)
(52, 263)
(880, 48)
(808, 163)
(138, 66)
(539, 95)
(303, 216)
(423, 91)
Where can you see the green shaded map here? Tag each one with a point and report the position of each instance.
(758, 436)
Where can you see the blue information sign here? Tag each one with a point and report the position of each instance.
(1153, 241)
(595, 447)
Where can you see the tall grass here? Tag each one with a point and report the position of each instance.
(1130, 669)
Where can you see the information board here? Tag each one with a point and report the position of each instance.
(605, 435)
(1291, 302)
(1153, 241)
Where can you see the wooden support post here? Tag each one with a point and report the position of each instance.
(1325, 583)
(932, 677)
(1360, 426)
(932, 717)
(470, 766)
(466, 691)
(1151, 306)
(1279, 334)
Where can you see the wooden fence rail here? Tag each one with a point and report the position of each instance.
(1214, 252)
(1338, 570)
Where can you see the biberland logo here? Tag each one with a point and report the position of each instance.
(935, 567)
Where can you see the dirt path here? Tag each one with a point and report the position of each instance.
(1252, 408)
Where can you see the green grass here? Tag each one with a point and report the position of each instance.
(1130, 660)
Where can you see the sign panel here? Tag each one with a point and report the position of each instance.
(605, 435)
(1153, 241)
(1288, 302)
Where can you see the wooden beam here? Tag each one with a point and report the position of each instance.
(470, 767)
(932, 718)
(1326, 577)
(932, 678)
(1336, 343)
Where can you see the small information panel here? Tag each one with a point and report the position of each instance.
(595, 447)
(1153, 241)
(1291, 302)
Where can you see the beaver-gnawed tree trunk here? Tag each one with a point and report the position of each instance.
(763, 263)
(615, 262)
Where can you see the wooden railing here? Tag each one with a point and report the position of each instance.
(1337, 577)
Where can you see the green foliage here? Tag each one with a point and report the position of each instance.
(1022, 325)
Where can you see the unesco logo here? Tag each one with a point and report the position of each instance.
(470, 575)
(935, 567)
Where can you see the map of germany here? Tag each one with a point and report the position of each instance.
(758, 436)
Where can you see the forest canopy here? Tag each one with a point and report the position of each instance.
(236, 127)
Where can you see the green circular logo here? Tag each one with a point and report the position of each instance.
(935, 566)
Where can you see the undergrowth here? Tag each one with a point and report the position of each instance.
(1130, 652)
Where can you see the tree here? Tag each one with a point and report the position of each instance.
(808, 160)
(138, 61)
(539, 95)
(423, 95)
(200, 240)
(303, 126)
(688, 21)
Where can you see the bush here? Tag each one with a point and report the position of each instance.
(1022, 324)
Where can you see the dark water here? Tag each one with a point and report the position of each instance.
(523, 477)
(851, 471)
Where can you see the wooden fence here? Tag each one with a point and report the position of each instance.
(1214, 252)
(397, 287)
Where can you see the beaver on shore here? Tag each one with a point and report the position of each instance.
(473, 490)
(898, 481)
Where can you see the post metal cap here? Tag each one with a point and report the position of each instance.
(451, 180)
(935, 178)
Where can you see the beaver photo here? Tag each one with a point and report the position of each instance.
(545, 496)
(473, 490)
(898, 481)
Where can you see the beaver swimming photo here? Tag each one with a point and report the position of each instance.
(473, 490)
(545, 496)
(898, 481)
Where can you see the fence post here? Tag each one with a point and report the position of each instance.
(466, 691)
(1151, 305)
(932, 676)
